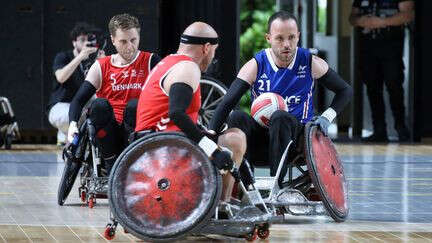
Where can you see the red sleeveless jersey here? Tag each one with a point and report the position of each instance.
(153, 104)
(123, 83)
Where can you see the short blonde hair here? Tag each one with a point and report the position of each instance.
(123, 21)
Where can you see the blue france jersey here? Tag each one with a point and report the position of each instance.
(294, 83)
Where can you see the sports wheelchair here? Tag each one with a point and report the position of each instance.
(163, 187)
(9, 130)
(84, 154)
(316, 183)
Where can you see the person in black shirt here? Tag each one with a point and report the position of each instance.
(70, 68)
(380, 24)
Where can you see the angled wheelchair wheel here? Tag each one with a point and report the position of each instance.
(73, 163)
(70, 173)
(212, 92)
(326, 171)
(163, 187)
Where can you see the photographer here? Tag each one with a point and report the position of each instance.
(70, 68)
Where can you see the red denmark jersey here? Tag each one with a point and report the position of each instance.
(153, 104)
(123, 83)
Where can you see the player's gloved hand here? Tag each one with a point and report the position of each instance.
(323, 124)
(220, 157)
(222, 160)
(72, 131)
(212, 134)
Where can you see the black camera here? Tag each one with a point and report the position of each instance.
(96, 39)
(92, 39)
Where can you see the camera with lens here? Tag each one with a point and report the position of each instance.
(96, 39)
(92, 39)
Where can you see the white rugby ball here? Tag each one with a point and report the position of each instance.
(264, 105)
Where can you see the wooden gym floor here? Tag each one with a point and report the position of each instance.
(390, 192)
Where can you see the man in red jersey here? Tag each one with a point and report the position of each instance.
(117, 81)
(171, 99)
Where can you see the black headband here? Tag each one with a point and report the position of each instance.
(188, 39)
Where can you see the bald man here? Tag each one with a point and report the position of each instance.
(171, 99)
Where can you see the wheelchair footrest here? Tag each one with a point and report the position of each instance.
(295, 203)
(97, 186)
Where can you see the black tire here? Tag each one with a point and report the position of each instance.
(337, 212)
(70, 173)
(143, 226)
(8, 142)
(212, 91)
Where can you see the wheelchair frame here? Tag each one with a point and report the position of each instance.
(10, 131)
(248, 218)
(86, 157)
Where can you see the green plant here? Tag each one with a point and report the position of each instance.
(254, 16)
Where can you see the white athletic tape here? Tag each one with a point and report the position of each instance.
(330, 114)
(207, 145)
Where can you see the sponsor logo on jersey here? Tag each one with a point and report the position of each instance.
(162, 124)
(123, 75)
(264, 76)
(292, 100)
(120, 87)
(301, 73)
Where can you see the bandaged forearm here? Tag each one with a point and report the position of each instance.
(230, 100)
(85, 92)
(180, 97)
(343, 92)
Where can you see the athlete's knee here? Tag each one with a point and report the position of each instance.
(101, 112)
(235, 140)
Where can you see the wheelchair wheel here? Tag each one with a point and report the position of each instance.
(70, 173)
(163, 187)
(326, 171)
(212, 92)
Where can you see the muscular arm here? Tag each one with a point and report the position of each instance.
(86, 91)
(332, 81)
(94, 75)
(245, 78)
(180, 86)
(65, 72)
(405, 15)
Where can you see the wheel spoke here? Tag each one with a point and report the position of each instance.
(208, 97)
(207, 121)
(214, 102)
(209, 112)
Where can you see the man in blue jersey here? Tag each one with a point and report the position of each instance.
(292, 72)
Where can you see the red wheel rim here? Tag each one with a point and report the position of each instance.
(163, 186)
(327, 173)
